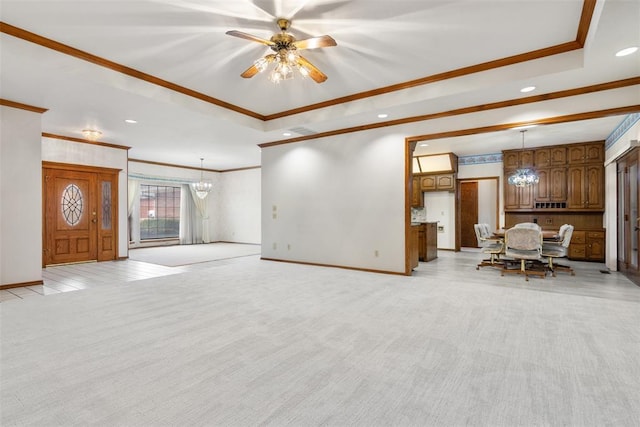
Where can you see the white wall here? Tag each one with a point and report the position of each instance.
(337, 201)
(21, 197)
(61, 151)
(441, 208)
(238, 205)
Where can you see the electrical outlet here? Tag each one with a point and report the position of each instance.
(275, 246)
(376, 253)
(288, 247)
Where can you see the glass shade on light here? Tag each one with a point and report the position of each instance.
(202, 188)
(524, 178)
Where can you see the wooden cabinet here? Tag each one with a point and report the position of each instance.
(441, 182)
(585, 187)
(417, 200)
(552, 186)
(518, 159)
(516, 197)
(428, 241)
(571, 178)
(414, 245)
(592, 152)
(551, 156)
(587, 245)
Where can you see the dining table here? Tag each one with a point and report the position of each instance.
(549, 235)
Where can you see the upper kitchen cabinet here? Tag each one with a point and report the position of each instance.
(552, 156)
(437, 172)
(591, 152)
(516, 159)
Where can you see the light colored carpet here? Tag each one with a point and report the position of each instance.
(276, 344)
(173, 256)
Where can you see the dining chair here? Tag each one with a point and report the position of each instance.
(559, 249)
(531, 225)
(524, 245)
(493, 247)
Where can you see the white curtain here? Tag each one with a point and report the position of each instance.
(201, 206)
(132, 194)
(190, 219)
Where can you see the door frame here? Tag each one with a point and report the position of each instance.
(98, 171)
(458, 205)
(631, 224)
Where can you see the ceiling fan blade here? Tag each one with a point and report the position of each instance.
(315, 42)
(314, 72)
(250, 72)
(246, 36)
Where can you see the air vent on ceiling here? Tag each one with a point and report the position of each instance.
(303, 131)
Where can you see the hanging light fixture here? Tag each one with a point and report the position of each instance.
(92, 134)
(201, 188)
(524, 177)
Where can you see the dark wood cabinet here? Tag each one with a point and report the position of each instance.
(440, 182)
(591, 152)
(585, 187)
(571, 178)
(417, 201)
(552, 156)
(587, 245)
(428, 241)
(515, 159)
(552, 186)
(516, 197)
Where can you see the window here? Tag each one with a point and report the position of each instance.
(159, 212)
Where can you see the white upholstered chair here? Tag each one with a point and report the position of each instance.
(524, 245)
(493, 247)
(559, 249)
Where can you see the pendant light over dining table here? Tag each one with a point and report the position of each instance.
(523, 177)
(202, 188)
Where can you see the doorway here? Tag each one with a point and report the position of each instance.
(478, 203)
(80, 213)
(628, 176)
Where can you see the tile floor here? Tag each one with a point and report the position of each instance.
(74, 277)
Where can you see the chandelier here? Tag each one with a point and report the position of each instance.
(201, 188)
(524, 177)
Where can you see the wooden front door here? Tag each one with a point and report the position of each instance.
(468, 213)
(80, 214)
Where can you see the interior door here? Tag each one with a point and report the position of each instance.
(629, 215)
(468, 213)
(80, 214)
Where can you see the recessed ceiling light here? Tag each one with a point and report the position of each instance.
(627, 51)
(527, 89)
(131, 121)
(286, 134)
(383, 116)
(424, 144)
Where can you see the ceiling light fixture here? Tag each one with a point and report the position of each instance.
(524, 177)
(131, 121)
(528, 89)
(286, 134)
(627, 51)
(286, 54)
(383, 116)
(91, 134)
(201, 188)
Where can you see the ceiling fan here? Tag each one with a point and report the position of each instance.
(286, 56)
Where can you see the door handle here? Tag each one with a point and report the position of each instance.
(94, 220)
